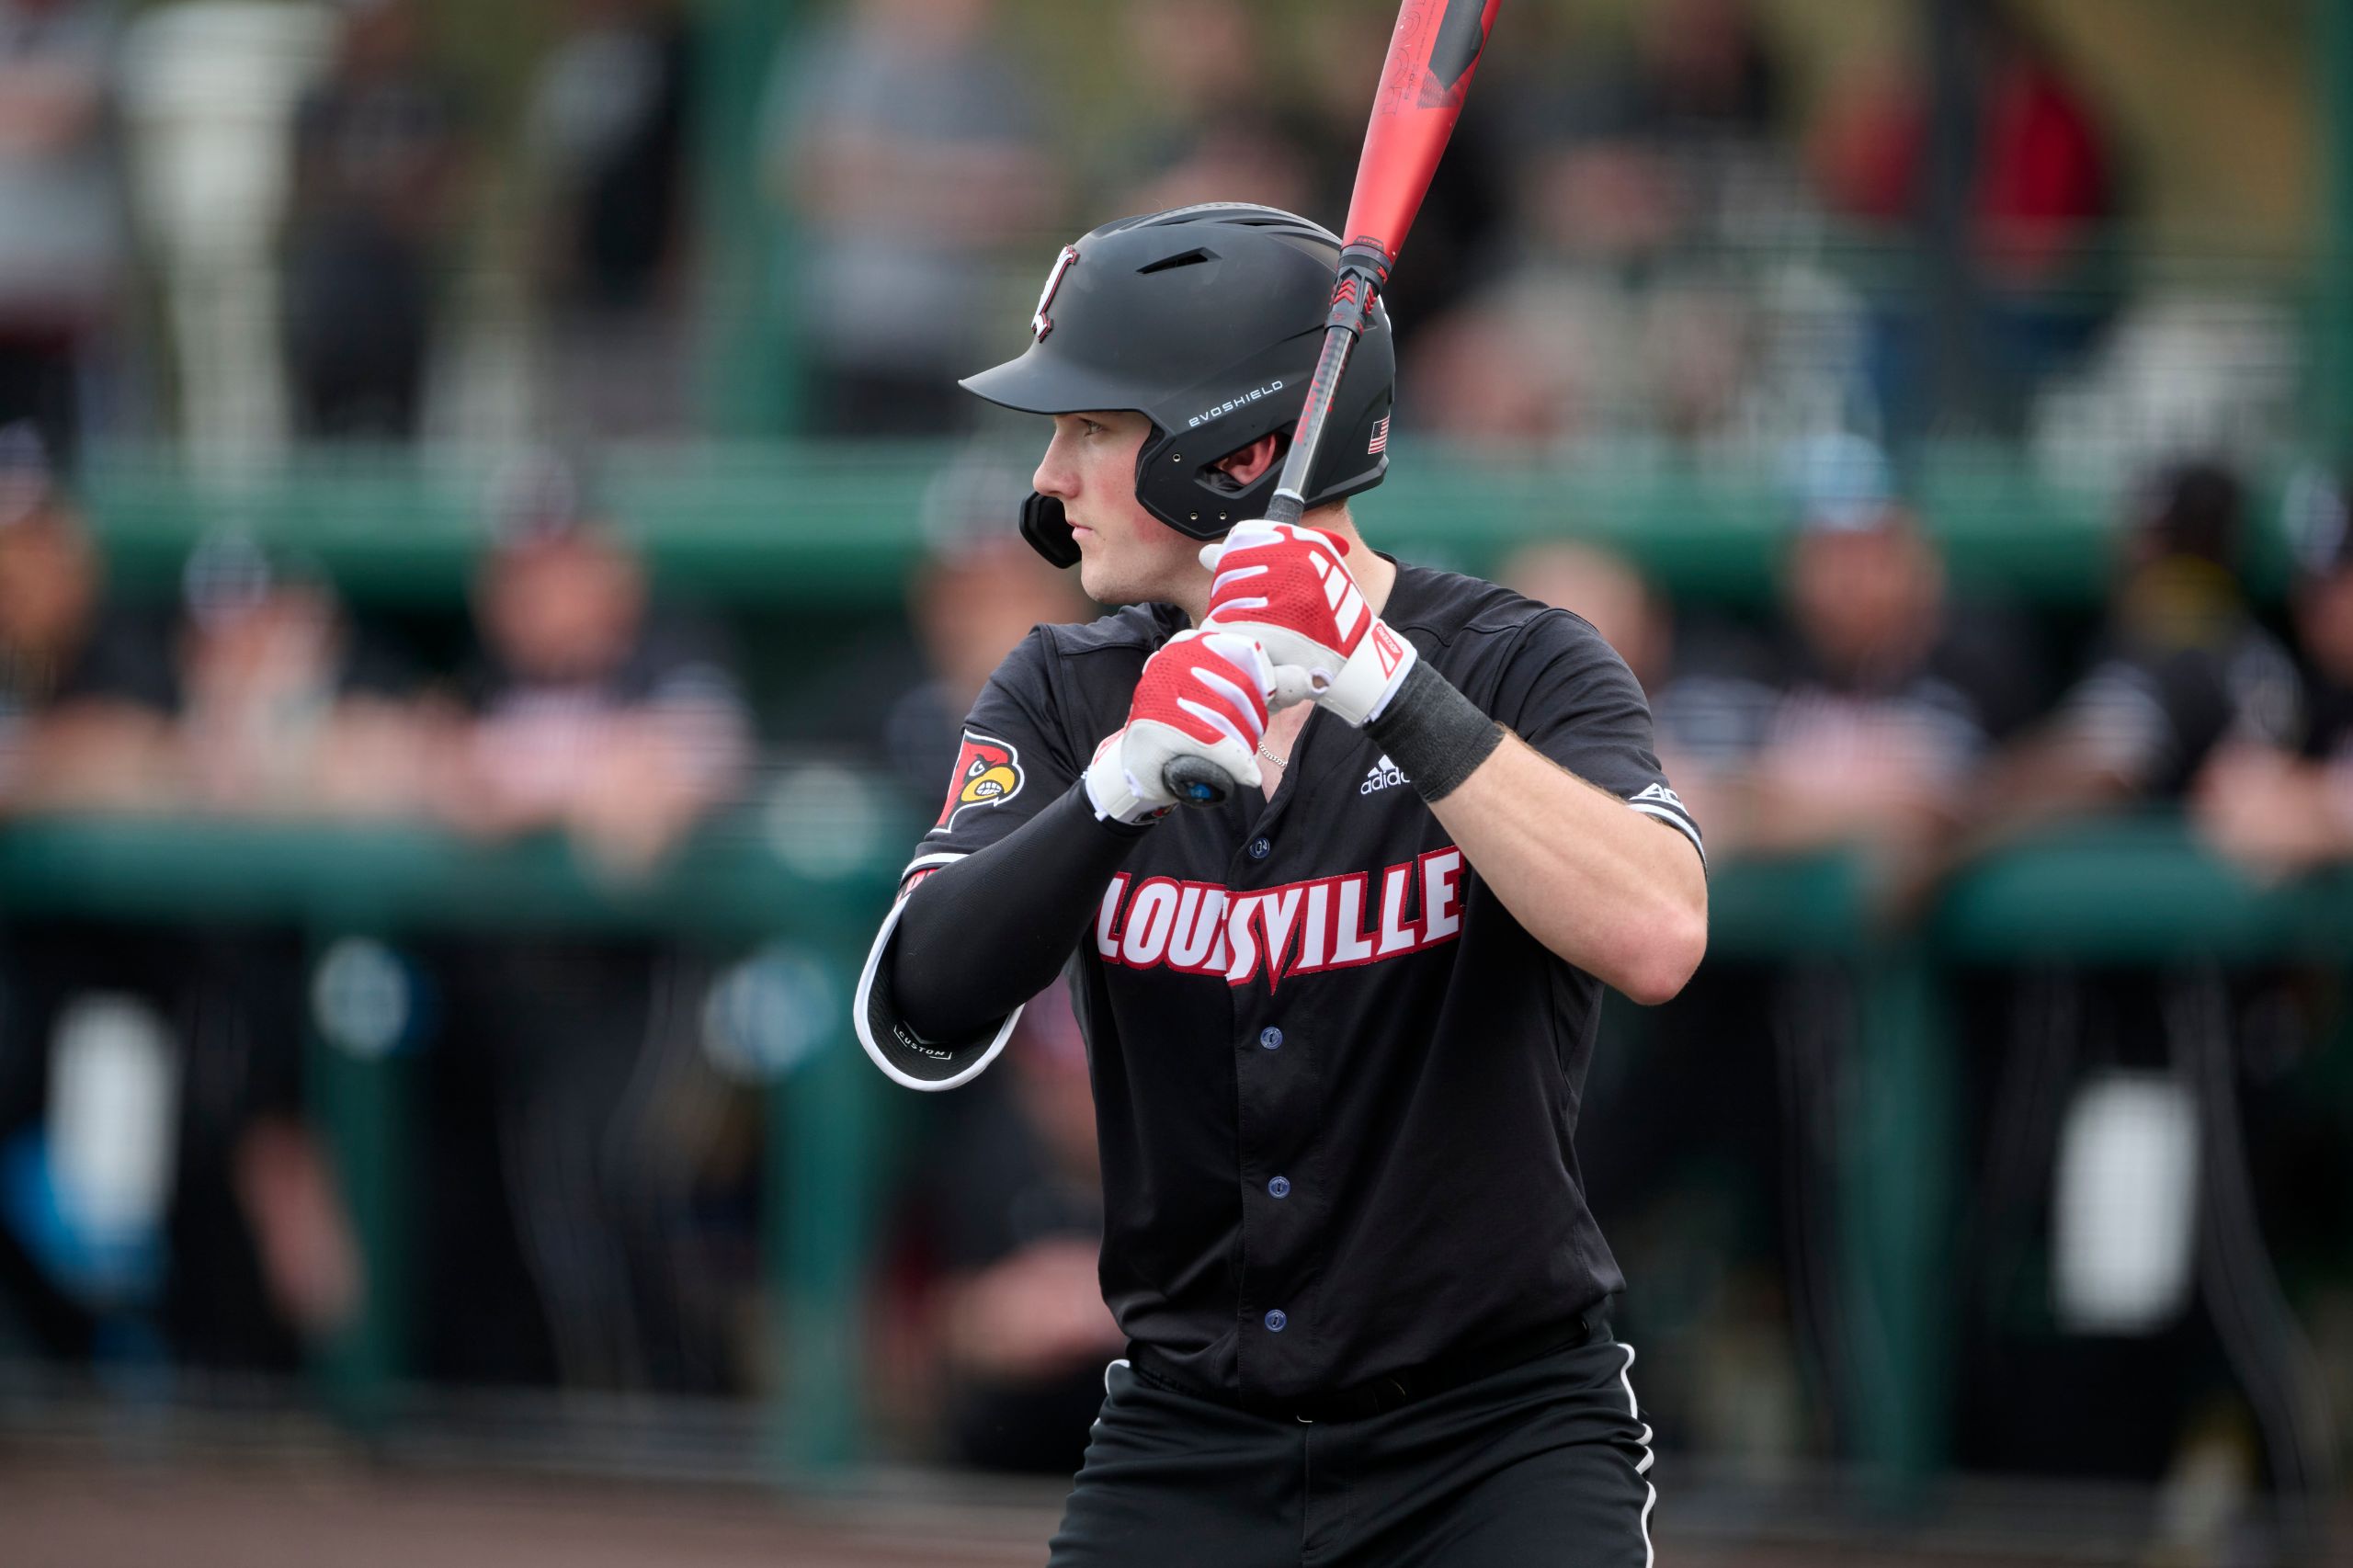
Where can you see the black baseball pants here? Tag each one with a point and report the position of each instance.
(1544, 1463)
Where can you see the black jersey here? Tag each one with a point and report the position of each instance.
(1336, 1080)
(2183, 668)
(2328, 720)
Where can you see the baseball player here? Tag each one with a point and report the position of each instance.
(1338, 1023)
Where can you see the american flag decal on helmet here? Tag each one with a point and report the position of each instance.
(1379, 437)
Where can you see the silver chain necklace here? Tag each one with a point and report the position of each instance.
(1283, 762)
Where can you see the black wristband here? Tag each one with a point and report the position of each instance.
(1436, 735)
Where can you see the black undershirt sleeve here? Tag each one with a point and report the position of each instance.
(982, 935)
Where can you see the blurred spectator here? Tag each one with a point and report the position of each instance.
(85, 689)
(262, 1259)
(379, 147)
(1674, 149)
(1512, 368)
(2144, 1368)
(1706, 71)
(607, 133)
(1211, 132)
(1709, 703)
(589, 716)
(288, 708)
(1461, 224)
(2183, 668)
(1610, 593)
(1007, 1209)
(2041, 192)
(904, 146)
(2282, 808)
(1194, 62)
(1242, 158)
(1864, 729)
(970, 601)
(1016, 1203)
(86, 695)
(1573, 350)
(288, 711)
(1702, 1074)
(1617, 316)
(2041, 184)
(1890, 699)
(61, 243)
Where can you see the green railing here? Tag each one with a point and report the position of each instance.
(767, 524)
(2134, 891)
(331, 882)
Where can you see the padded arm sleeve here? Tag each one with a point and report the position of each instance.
(970, 942)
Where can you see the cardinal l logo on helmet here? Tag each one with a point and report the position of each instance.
(1043, 324)
(988, 773)
(1206, 320)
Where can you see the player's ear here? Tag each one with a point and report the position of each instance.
(1245, 464)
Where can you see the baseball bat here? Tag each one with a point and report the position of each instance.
(1424, 80)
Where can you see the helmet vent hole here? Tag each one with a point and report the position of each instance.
(1193, 258)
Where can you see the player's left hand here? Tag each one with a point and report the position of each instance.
(1286, 587)
(1204, 695)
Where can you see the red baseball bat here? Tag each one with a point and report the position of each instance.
(1423, 82)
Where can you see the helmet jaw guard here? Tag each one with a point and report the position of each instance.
(1047, 530)
(1208, 322)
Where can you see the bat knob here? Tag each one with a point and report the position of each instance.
(1195, 782)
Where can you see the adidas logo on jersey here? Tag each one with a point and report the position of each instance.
(1381, 775)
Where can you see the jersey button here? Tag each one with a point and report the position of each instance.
(1271, 1038)
(1279, 1187)
(1277, 1321)
(1260, 849)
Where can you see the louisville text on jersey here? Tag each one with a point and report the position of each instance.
(1298, 928)
(988, 773)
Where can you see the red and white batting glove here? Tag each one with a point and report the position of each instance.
(1204, 695)
(1286, 587)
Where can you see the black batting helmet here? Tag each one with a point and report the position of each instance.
(1208, 321)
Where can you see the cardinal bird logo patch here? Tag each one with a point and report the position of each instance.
(988, 773)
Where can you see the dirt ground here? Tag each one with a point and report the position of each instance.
(101, 1511)
(81, 1515)
(84, 1516)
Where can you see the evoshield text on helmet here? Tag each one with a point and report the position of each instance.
(1206, 320)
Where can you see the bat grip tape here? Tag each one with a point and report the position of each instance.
(1367, 257)
(1363, 273)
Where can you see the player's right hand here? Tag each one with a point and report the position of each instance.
(1286, 587)
(1202, 695)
